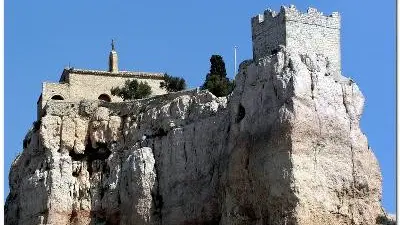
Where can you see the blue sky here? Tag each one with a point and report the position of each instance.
(178, 37)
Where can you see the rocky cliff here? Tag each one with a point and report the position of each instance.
(284, 148)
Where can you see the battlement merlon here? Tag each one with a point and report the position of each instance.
(291, 13)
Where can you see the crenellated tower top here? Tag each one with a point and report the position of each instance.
(301, 32)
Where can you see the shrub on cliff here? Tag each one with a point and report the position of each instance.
(216, 81)
(173, 84)
(132, 90)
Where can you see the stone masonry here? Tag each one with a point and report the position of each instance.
(78, 84)
(302, 32)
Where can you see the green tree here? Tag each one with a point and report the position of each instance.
(217, 65)
(216, 81)
(173, 84)
(132, 90)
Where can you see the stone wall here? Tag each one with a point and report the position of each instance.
(92, 86)
(50, 90)
(300, 32)
(268, 32)
(313, 32)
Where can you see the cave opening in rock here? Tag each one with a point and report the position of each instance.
(241, 113)
(101, 152)
(90, 154)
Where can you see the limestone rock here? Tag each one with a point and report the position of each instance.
(81, 135)
(284, 148)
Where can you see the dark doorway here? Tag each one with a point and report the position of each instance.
(57, 97)
(104, 97)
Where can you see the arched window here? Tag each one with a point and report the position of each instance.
(57, 97)
(104, 97)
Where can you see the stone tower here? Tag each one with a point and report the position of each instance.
(113, 59)
(300, 32)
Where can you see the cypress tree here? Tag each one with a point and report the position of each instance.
(216, 81)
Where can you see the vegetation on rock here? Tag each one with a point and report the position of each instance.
(216, 81)
(132, 90)
(173, 84)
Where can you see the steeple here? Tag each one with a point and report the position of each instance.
(113, 59)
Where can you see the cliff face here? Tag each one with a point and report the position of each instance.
(284, 148)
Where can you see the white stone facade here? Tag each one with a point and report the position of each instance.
(300, 32)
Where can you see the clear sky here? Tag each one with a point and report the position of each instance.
(178, 37)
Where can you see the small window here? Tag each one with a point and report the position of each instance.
(104, 97)
(57, 97)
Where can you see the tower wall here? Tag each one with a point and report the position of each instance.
(299, 32)
(314, 32)
(113, 62)
(268, 32)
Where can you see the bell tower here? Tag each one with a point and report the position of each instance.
(113, 59)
